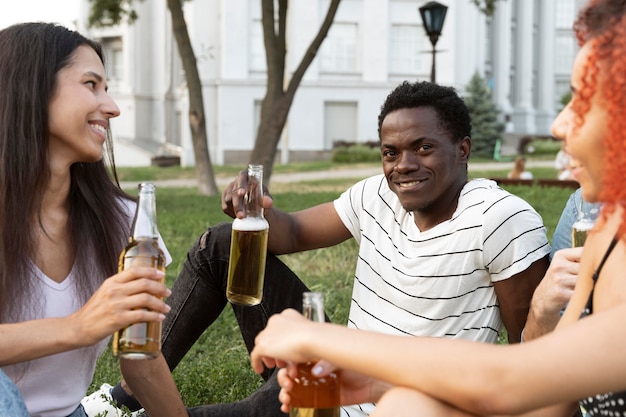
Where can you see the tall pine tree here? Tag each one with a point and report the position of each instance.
(486, 129)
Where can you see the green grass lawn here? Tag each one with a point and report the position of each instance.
(217, 368)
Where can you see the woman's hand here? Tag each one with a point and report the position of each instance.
(287, 340)
(355, 388)
(292, 329)
(131, 296)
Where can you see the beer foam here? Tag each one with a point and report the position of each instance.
(250, 224)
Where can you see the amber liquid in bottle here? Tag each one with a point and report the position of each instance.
(312, 396)
(248, 246)
(140, 340)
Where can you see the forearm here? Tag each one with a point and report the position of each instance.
(482, 378)
(281, 232)
(539, 323)
(24, 341)
(153, 385)
(311, 228)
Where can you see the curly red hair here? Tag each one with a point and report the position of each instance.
(602, 24)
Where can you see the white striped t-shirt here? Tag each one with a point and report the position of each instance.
(438, 282)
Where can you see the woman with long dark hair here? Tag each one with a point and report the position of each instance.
(63, 221)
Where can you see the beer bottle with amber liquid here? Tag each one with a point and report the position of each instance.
(248, 246)
(141, 340)
(312, 396)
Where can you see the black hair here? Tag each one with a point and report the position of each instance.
(453, 113)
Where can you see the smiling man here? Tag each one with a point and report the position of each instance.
(439, 255)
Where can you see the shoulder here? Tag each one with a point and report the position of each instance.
(366, 190)
(494, 201)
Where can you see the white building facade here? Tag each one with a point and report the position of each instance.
(525, 52)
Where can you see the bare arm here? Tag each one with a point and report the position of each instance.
(152, 384)
(128, 297)
(475, 377)
(312, 228)
(514, 295)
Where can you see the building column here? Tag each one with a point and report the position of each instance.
(523, 111)
(501, 56)
(545, 67)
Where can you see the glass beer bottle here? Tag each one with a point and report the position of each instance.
(141, 340)
(248, 246)
(312, 396)
(587, 215)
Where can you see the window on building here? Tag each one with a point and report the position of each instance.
(340, 122)
(339, 50)
(114, 52)
(405, 49)
(565, 13)
(565, 51)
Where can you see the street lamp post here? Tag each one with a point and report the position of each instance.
(433, 14)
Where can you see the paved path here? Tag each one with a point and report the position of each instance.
(338, 173)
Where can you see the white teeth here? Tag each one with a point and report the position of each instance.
(408, 184)
(99, 127)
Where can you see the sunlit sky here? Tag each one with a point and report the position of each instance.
(59, 11)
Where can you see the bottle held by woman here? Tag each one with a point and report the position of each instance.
(141, 340)
(312, 396)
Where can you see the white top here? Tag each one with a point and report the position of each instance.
(438, 282)
(53, 386)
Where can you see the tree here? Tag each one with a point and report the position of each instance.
(114, 12)
(488, 7)
(278, 99)
(486, 129)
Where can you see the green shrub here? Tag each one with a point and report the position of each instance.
(543, 146)
(356, 153)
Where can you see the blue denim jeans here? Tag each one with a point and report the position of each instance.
(199, 297)
(11, 402)
(79, 412)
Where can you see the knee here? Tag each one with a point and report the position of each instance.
(215, 235)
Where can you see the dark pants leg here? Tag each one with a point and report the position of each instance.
(198, 298)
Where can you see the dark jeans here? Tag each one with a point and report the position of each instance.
(198, 298)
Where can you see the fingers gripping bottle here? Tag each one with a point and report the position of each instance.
(141, 340)
(248, 246)
(312, 396)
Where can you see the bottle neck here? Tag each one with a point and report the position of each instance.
(313, 306)
(254, 193)
(144, 224)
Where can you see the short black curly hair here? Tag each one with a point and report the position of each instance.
(453, 113)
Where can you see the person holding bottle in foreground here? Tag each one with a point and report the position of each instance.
(63, 224)
(582, 360)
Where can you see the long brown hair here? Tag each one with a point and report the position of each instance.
(31, 55)
(602, 24)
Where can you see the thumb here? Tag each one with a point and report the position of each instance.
(323, 368)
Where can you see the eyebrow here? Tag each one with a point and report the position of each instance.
(97, 77)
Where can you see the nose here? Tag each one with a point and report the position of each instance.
(109, 107)
(560, 124)
(407, 161)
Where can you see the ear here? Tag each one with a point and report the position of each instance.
(465, 148)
